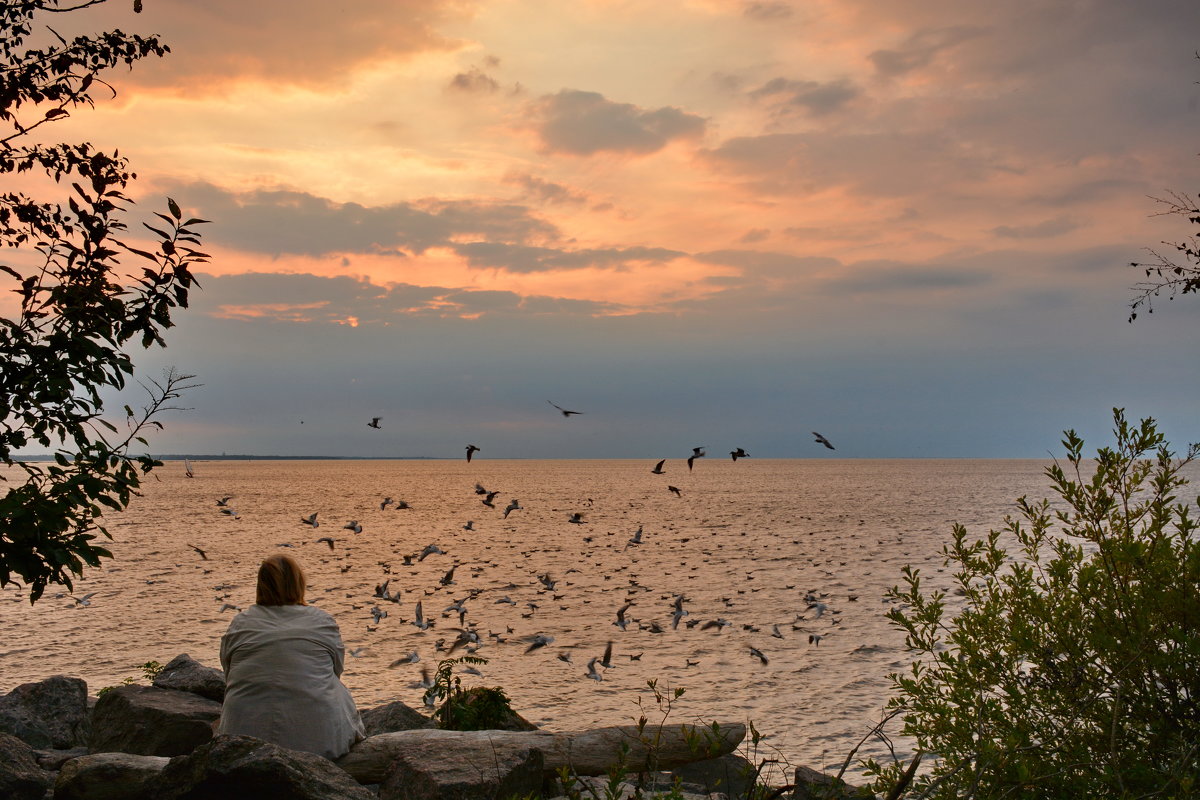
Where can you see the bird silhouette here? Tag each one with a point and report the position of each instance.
(658, 470)
(675, 489)
(564, 411)
(739, 453)
(203, 555)
(471, 450)
(822, 440)
(374, 423)
(311, 519)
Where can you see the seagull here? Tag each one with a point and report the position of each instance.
(420, 620)
(327, 540)
(547, 581)
(592, 673)
(815, 638)
(658, 470)
(606, 662)
(479, 489)
(675, 489)
(679, 613)
(374, 423)
(426, 681)
(357, 652)
(636, 539)
(229, 607)
(739, 453)
(311, 519)
(377, 614)
(471, 450)
(86, 600)
(457, 607)
(203, 555)
(387, 501)
(540, 640)
(470, 526)
(229, 512)
(697, 452)
(564, 657)
(401, 505)
(511, 507)
(224, 501)
(430, 550)
(576, 518)
(448, 578)
(565, 413)
(352, 525)
(465, 637)
(622, 620)
(822, 440)
(489, 499)
(754, 651)
(411, 658)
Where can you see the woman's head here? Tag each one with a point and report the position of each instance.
(281, 582)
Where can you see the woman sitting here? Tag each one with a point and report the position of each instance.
(283, 661)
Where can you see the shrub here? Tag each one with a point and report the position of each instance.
(1073, 666)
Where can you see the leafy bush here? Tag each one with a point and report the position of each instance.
(477, 709)
(1073, 667)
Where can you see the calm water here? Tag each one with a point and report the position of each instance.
(745, 542)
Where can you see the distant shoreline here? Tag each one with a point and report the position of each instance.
(237, 457)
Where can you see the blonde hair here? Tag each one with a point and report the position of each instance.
(281, 582)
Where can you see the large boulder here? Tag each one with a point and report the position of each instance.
(242, 766)
(109, 776)
(394, 716)
(813, 785)
(185, 674)
(148, 721)
(49, 714)
(463, 769)
(20, 776)
(732, 775)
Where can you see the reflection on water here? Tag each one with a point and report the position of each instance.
(744, 543)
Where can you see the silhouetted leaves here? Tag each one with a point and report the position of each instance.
(78, 312)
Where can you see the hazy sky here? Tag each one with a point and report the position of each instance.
(906, 225)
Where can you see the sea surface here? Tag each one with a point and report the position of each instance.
(744, 543)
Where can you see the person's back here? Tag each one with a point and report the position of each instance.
(282, 663)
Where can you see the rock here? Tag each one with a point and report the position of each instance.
(47, 714)
(813, 785)
(584, 752)
(242, 766)
(109, 776)
(148, 721)
(731, 774)
(186, 674)
(594, 786)
(463, 769)
(54, 759)
(20, 776)
(394, 716)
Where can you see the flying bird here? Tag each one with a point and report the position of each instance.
(387, 501)
(739, 453)
(420, 621)
(311, 519)
(352, 525)
(754, 651)
(489, 499)
(622, 620)
(224, 501)
(203, 555)
(697, 452)
(327, 540)
(429, 550)
(576, 518)
(822, 440)
(538, 641)
(471, 450)
(658, 470)
(675, 489)
(374, 423)
(470, 526)
(636, 539)
(606, 662)
(511, 507)
(591, 671)
(564, 411)
(86, 600)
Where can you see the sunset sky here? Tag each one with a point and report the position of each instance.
(906, 225)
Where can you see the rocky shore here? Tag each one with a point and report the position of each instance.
(149, 742)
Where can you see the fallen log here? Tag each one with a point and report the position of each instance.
(591, 752)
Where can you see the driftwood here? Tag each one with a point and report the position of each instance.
(590, 752)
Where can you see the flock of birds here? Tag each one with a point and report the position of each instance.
(464, 635)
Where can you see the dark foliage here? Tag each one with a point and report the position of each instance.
(79, 307)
